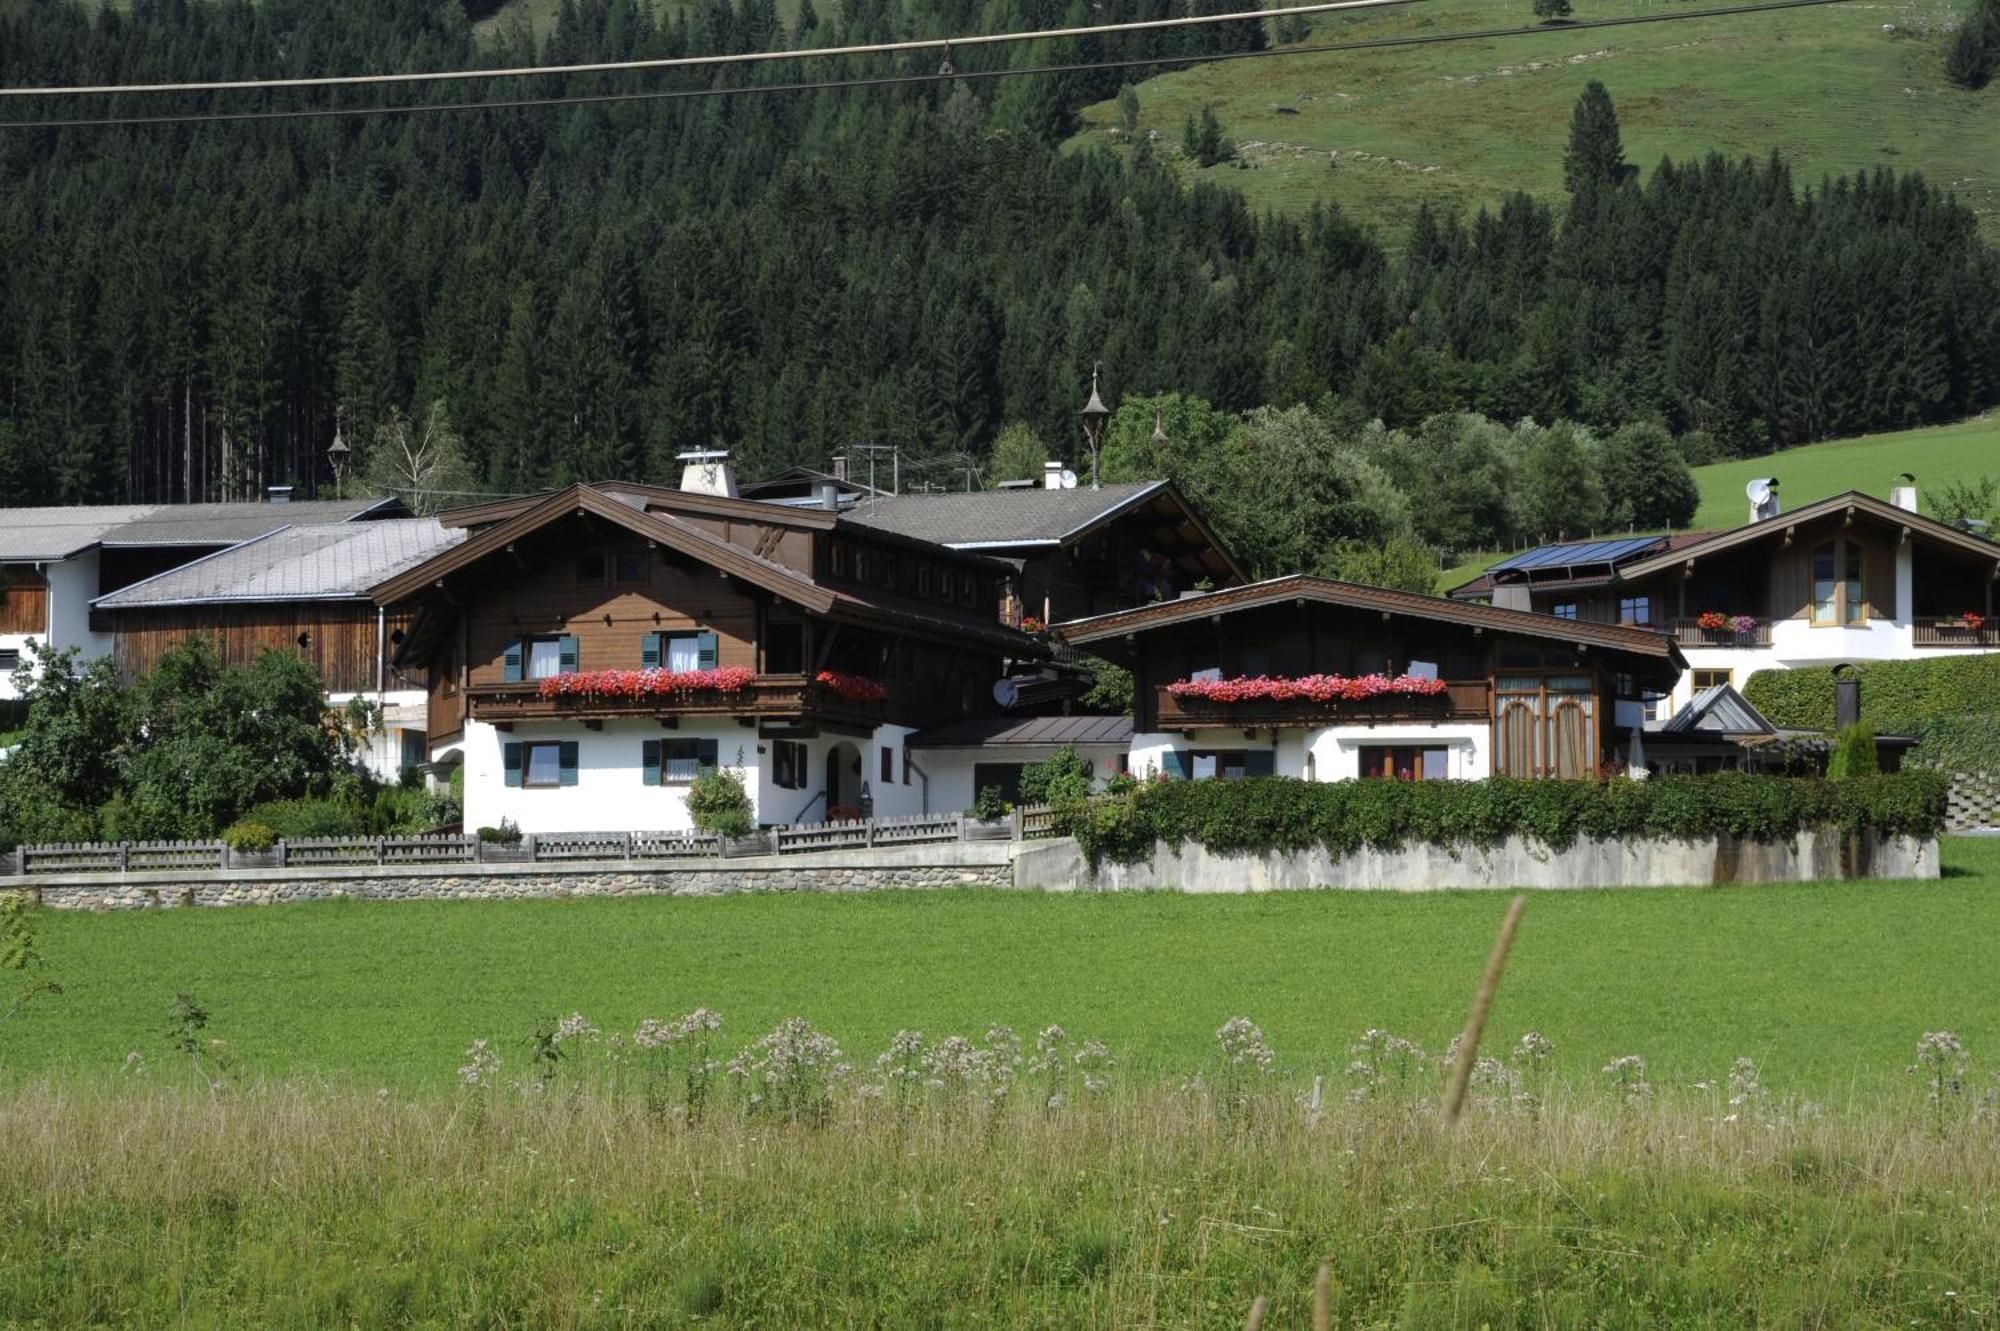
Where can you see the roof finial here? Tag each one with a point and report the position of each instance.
(1159, 421)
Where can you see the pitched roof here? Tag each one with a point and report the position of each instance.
(1869, 505)
(997, 518)
(28, 534)
(1300, 586)
(1718, 709)
(34, 534)
(338, 561)
(619, 507)
(1037, 731)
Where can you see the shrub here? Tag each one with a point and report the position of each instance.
(249, 836)
(1853, 754)
(1281, 813)
(297, 820)
(507, 834)
(1927, 699)
(989, 804)
(717, 802)
(1063, 779)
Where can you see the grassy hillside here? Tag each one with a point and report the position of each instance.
(1463, 123)
(1826, 988)
(1870, 463)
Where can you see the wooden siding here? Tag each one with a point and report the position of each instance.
(341, 640)
(24, 601)
(546, 599)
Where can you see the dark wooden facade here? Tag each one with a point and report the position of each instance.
(342, 640)
(1549, 690)
(787, 594)
(24, 600)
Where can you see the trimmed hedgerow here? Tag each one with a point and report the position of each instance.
(1946, 702)
(1280, 813)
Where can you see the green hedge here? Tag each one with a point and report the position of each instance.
(1280, 813)
(1948, 703)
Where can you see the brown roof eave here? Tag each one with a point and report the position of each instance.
(1753, 532)
(1103, 628)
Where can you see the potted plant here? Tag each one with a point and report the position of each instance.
(252, 846)
(1742, 625)
(1712, 621)
(1974, 620)
(504, 843)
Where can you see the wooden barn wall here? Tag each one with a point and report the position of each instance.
(341, 640)
(24, 601)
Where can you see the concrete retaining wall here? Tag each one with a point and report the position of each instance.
(948, 864)
(1811, 856)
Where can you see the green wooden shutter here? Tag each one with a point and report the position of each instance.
(566, 752)
(705, 755)
(1260, 762)
(566, 646)
(510, 761)
(649, 652)
(650, 760)
(511, 670)
(707, 651)
(1174, 763)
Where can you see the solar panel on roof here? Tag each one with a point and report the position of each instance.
(1579, 552)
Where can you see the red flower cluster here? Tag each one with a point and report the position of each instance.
(1974, 620)
(1030, 624)
(1713, 620)
(646, 683)
(854, 688)
(1308, 688)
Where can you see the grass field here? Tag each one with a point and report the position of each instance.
(1826, 986)
(1462, 124)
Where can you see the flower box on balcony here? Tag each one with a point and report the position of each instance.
(650, 683)
(852, 688)
(1306, 688)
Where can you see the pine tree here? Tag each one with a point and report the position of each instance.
(1595, 156)
(1550, 10)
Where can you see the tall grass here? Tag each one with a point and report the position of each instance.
(296, 1205)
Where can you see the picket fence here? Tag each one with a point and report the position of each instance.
(546, 848)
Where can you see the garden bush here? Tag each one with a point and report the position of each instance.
(717, 802)
(1281, 813)
(1854, 754)
(1063, 779)
(249, 836)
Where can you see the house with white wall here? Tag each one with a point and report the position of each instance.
(589, 652)
(1847, 578)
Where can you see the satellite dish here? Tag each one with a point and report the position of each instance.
(1758, 490)
(1068, 479)
(1005, 692)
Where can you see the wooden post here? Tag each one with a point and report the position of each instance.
(1323, 1298)
(1255, 1322)
(1482, 1004)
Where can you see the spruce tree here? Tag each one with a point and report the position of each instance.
(1596, 156)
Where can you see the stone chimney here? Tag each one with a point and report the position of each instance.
(840, 467)
(708, 472)
(1903, 494)
(1052, 475)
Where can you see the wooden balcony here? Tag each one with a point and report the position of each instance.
(784, 700)
(1690, 633)
(1951, 631)
(1463, 700)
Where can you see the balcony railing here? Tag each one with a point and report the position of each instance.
(1952, 631)
(1690, 633)
(1463, 699)
(768, 697)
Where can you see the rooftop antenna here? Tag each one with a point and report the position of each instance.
(896, 466)
(1159, 421)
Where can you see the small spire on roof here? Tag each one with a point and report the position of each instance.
(1159, 423)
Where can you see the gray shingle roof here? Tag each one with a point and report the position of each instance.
(1052, 731)
(991, 518)
(28, 534)
(226, 524)
(1720, 709)
(322, 562)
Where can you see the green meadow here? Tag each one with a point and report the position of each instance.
(1825, 986)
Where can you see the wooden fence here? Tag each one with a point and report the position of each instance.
(1027, 823)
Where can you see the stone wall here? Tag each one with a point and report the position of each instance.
(1815, 856)
(969, 864)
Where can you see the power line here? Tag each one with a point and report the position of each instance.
(696, 61)
(896, 80)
